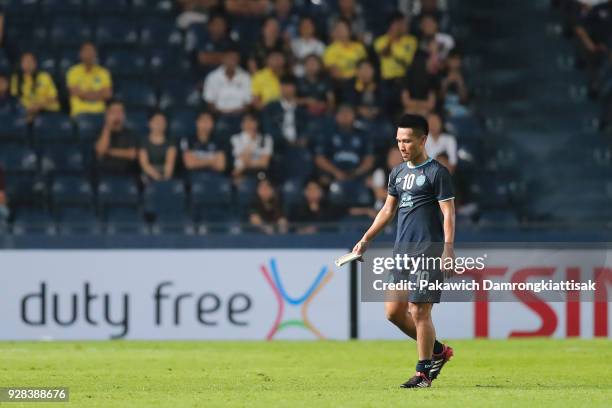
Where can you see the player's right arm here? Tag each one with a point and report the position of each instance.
(386, 214)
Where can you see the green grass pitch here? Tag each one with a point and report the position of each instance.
(500, 373)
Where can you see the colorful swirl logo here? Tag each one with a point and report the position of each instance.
(282, 297)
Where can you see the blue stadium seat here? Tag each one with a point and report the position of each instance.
(166, 63)
(47, 60)
(136, 95)
(54, 128)
(89, 126)
(122, 63)
(179, 94)
(246, 193)
(12, 129)
(78, 221)
(67, 58)
(166, 200)
(108, 7)
(138, 121)
(152, 7)
(25, 188)
(210, 189)
(124, 220)
(33, 221)
(292, 194)
(349, 194)
(70, 32)
(116, 191)
(502, 219)
(18, 159)
(51, 8)
(160, 32)
(62, 160)
(298, 163)
(182, 123)
(71, 191)
(116, 32)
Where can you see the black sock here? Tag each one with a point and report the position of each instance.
(438, 347)
(423, 366)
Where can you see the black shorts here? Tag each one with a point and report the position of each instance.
(421, 282)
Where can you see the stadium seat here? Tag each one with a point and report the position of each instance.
(246, 193)
(53, 128)
(182, 123)
(18, 159)
(138, 121)
(209, 189)
(89, 126)
(12, 129)
(25, 189)
(67, 58)
(108, 7)
(78, 221)
(136, 95)
(156, 32)
(71, 191)
(115, 191)
(124, 220)
(166, 200)
(62, 160)
(152, 7)
(116, 32)
(128, 64)
(292, 194)
(169, 63)
(298, 163)
(70, 32)
(33, 221)
(52, 8)
(349, 194)
(179, 94)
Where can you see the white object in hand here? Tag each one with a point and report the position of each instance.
(344, 259)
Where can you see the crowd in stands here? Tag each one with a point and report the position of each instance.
(266, 112)
(589, 24)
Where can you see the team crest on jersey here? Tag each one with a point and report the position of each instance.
(406, 200)
(420, 180)
(398, 180)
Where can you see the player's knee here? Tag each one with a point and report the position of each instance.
(395, 315)
(420, 311)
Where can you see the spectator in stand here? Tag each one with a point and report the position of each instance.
(453, 90)
(269, 41)
(306, 44)
(202, 153)
(251, 150)
(284, 120)
(4, 210)
(420, 88)
(350, 11)
(35, 89)
(287, 18)
(211, 44)
(315, 91)
(431, 8)
(395, 49)
(438, 143)
(380, 177)
(435, 44)
(267, 213)
(194, 12)
(364, 93)
(157, 155)
(315, 209)
(89, 84)
(343, 54)
(595, 41)
(266, 82)
(9, 105)
(249, 8)
(344, 153)
(117, 146)
(227, 89)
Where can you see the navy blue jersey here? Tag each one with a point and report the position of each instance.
(419, 190)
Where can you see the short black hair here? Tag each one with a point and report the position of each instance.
(414, 122)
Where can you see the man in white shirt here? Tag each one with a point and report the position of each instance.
(440, 143)
(227, 89)
(251, 150)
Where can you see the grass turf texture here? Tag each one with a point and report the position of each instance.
(509, 373)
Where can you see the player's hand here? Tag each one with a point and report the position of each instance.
(360, 247)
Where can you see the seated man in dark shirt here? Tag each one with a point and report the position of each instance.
(117, 146)
(210, 44)
(314, 90)
(284, 119)
(344, 153)
(202, 153)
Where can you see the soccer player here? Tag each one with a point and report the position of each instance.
(422, 189)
